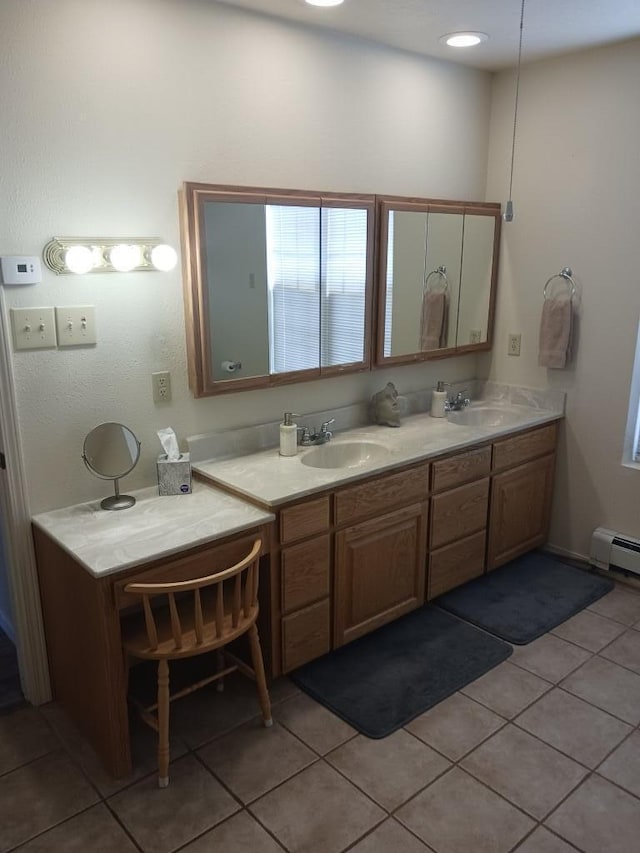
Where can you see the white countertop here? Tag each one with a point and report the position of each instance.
(272, 479)
(106, 541)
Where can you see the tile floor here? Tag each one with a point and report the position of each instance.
(540, 755)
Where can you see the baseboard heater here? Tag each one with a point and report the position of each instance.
(611, 550)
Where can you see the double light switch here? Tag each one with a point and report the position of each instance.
(45, 328)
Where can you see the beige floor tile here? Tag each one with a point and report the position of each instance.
(599, 817)
(623, 765)
(24, 735)
(253, 759)
(318, 811)
(619, 604)
(239, 834)
(95, 830)
(40, 795)
(389, 770)
(457, 814)
(390, 837)
(543, 841)
(316, 725)
(608, 686)
(507, 689)
(625, 651)
(144, 751)
(549, 657)
(574, 727)
(589, 630)
(455, 726)
(162, 819)
(529, 773)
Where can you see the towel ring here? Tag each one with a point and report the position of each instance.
(567, 275)
(442, 272)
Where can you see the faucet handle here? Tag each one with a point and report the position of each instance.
(323, 427)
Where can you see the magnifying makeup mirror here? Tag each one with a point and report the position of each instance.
(110, 451)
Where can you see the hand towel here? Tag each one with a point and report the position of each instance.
(433, 328)
(554, 347)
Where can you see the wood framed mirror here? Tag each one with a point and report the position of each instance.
(278, 285)
(437, 273)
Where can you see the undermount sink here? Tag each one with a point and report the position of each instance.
(485, 416)
(346, 454)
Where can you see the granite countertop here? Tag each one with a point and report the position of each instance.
(272, 479)
(105, 542)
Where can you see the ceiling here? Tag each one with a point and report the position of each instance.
(551, 27)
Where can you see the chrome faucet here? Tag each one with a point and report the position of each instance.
(457, 402)
(308, 438)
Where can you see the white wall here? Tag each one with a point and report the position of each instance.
(107, 108)
(577, 204)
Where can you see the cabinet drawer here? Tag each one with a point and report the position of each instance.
(305, 635)
(461, 468)
(305, 573)
(382, 494)
(304, 519)
(456, 564)
(204, 563)
(459, 512)
(520, 448)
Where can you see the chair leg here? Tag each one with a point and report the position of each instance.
(219, 668)
(261, 681)
(163, 723)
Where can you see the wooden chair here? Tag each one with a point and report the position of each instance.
(200, 615)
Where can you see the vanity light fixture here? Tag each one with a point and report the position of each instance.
(324, 2)
(65, 255)
(466, 39)
(508, 212)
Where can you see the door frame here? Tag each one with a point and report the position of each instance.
(21, 562)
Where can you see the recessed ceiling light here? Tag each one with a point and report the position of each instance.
(463, 39)
(324, 2)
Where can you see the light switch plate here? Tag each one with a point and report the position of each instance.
(76, 325)
(33, 328)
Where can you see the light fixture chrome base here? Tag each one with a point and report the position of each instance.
(508, 213)
(54, 252)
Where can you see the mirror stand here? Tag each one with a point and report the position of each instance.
(117, 501)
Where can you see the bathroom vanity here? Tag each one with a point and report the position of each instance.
(345, 549)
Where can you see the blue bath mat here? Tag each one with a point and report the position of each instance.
(380, 682)
(525, 598)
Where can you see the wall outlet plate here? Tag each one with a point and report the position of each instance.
(161, 384)
(513, 347)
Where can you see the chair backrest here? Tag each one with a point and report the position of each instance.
(231, 592)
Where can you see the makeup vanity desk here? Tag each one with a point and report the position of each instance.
(85, 558)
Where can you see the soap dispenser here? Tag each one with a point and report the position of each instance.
(438, 399)
(288, 435)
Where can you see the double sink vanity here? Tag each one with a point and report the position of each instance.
(355, 533)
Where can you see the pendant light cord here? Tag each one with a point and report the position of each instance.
(515, 111)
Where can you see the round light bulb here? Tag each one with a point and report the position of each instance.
(463, 39)
(324, 2)
(164, 257)
(79, 259)
(125, 258)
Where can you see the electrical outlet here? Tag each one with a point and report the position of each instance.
(161, 384)
(475, 336)
(514, 345)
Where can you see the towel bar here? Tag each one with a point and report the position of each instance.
(442, 272)
(567, 275)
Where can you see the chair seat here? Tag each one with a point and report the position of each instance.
(135, 639)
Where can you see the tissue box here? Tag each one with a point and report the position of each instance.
(174, 476)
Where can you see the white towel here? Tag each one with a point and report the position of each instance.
(433, 322)
(554, 347)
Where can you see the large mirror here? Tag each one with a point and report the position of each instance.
(437, 271)
(278, 285)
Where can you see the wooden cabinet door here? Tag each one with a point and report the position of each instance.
(520, 510)
(380, 571)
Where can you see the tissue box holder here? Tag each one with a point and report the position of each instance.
(174, 477)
